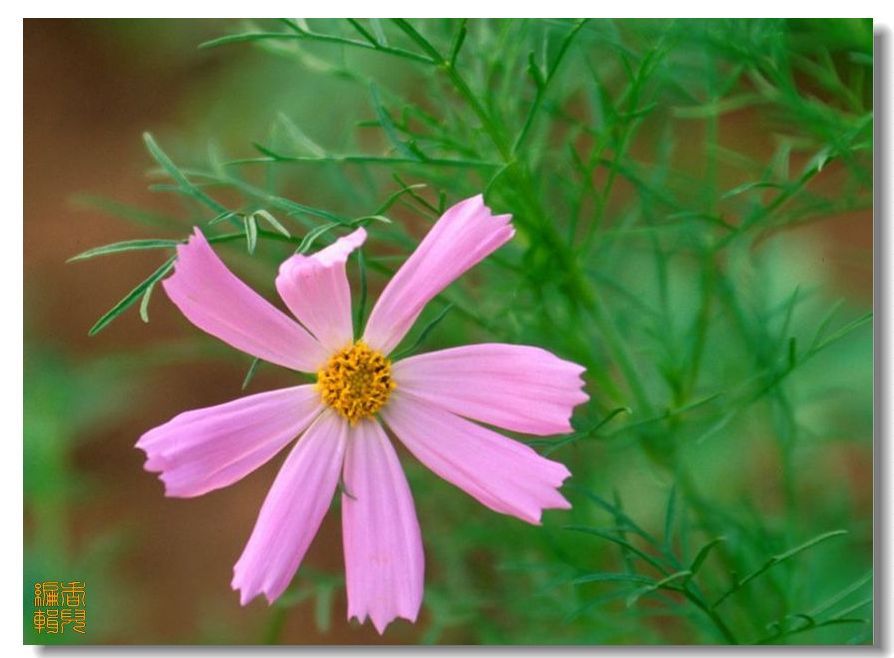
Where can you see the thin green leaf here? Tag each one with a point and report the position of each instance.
(363, 31)
(144, 304)
(420, 40)
(551, 445)
(378, 30)
(653, 561)
(410, 189)
(270, 219)
(841, 595)
(424, 333)
(311, 236)
(854, 607)
(616, 512)
(360, 159)
(843, 331)
(304, 34)
(251, 232)
(543, 83)
(250, 373)
(747, 187)
(612, 578)
(458, 41)
(314, 234)
(390, 129)
(183, 183)
(131, 297)
(394, 196)
(128, 245)
(777, 559)
(703, 553)
(661, 584)
(247, 37)
(298, 137)
(535, 72)
(222, 217)
(361, 304)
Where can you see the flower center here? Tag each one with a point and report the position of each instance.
(356, 381)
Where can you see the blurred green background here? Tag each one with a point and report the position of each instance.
(693, 202)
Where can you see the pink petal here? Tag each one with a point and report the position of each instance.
(206, 449)
(505, 475)
(216, 301)
(516, 387)
(384, 563)
(463, 236)
(293, 511)
(315, 288)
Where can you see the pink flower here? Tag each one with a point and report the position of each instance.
(428, 401)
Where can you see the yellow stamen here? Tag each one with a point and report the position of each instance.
(356, 381)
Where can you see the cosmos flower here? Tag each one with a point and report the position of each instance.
(430, 402)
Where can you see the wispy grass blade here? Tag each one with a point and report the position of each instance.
(121, 247)
(131, 297)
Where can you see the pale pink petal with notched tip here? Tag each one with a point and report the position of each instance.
(218, 302)
(516, 387)
(464, 235)
(316, 290)
(206, 449)
(293, 510)
(505, 475)
(384, 562)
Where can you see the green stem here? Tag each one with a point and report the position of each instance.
(712, 615)
(541, 91)
(461, 86)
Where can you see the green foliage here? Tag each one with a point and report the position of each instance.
(670, 576)
(660, 175)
